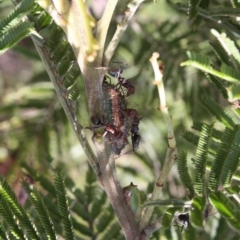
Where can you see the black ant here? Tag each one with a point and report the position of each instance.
(136, 138)
(127, 84)
(116, 73)
(183, 220)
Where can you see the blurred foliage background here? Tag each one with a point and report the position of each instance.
(35, 131)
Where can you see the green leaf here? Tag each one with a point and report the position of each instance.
(168, 217)
(8, 195)
(227, 150)
(104, 220)
(43, 215)
(11, 220)
(226, 117)
(232, 160)
(228, 209)
(63, 207)
(201, 158)
(184, 174)
(3, 234)
(14, 35)
(196, 213)
(22, 8)
(202, 62)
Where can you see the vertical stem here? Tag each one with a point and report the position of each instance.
(110, 182)
(171, 154)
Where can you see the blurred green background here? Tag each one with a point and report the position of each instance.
(33, 126)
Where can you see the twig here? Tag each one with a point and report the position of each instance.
(67, 106)
(171, 151)
(122, 26)
(103, 25)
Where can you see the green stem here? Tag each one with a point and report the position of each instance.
(103, 24)
(171, 154)
(122, 26)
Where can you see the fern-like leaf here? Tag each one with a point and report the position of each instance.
(216, 134)
(218, 84)
(71, 76)
(60, 50)
(90, 186)
(184, 174)
(221, 53)
(201, 158)
(225, 11)
(74, 94)
(9, 196)
(98, 203)
(22, 8)
(168, 217)
(225, 117)
(231, 163)
(196, 216)
(10, 219)
(80, 210)
(42, 19)
(55, 36)
(43, 215)
(193, 4)
(191, 137)
(221, 154)
(63, 207)
(112, 231)
(3, 234)
(82, 229)
(104, 220)
(229, 46)
(227, 208)
(14, 35)
(203, 63)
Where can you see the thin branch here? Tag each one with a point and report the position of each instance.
(122, 26)
(88, 22)
(163, 105)
(103, 24)
(171, 154)
(67, 105)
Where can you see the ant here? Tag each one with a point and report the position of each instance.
(119, 141)
(108, 128)
(116, 73)
(183, 220)
(127, 84)
(136, 138)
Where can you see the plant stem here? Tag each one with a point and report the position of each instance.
(171, 154)
(103, 25)
(67, 106)
(113, 189)
(72, 24)
(122, 26)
